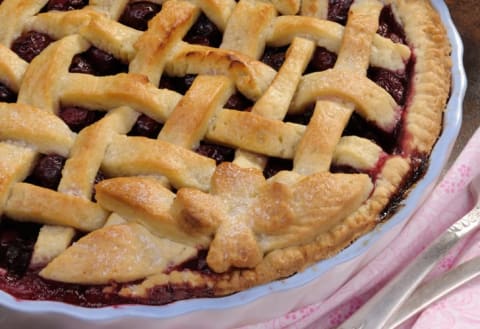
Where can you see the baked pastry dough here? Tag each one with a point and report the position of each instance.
(222, 145)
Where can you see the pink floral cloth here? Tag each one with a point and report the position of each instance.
(450, 200)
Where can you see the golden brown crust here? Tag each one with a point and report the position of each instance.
(428, 38)
(127, 252)
(256, 230)
(373, 102)
(185, 127)
(246, 29)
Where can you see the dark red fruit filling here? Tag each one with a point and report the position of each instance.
(48, 171)
(16, 245)
(168, 293)
(179, 84)
(302, 118)
(17, 240)
(217, 152)
(358, 126)
(137, 14)
(97, 62)
(396, 84)
(30, 44)
(238, 102)
(274, 56)
(274, 165)
(389, 26)
(204, 32)
(198, 264)
(78, 118)
(338, 10)
(322, 60)
(146, 127)
(32, 287)
(7, 95)
(65, 5)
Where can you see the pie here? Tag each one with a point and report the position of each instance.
(154, 151)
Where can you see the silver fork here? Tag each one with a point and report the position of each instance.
(375, 313)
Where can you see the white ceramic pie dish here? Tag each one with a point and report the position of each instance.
(270, 300)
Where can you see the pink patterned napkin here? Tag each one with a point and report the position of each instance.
(449, 201)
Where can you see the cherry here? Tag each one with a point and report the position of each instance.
(393, 83)
(179, 84)
(238, 102)
(65, 5)
(302, 118)
(137, 14)
(7, 95)
(217, 152)
(81, 65)
(17, 257)
(30, 44)
(103, 62)
(274, 165)
(322, 60)
(204, 32)
(146, 127)
(274, 57)
(389, 26)
(97, 62)
(48, 171)
(77, 117)
(338, 10)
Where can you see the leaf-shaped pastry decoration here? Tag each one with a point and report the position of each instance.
(244, 215)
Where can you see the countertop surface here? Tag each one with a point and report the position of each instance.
(466, 15)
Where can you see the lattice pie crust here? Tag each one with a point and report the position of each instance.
(162, 202)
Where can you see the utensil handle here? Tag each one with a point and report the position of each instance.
(434, 290)
(375, 313)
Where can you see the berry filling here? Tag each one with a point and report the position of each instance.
(179, 84)
(204, 32)
(65, 5)
(16, 246)
(198, 264)
(322, 60)
(97, 62)
(389, 26)
(146, 127)
(274, 165)
(30, 44)
(17, 240)
(7, 95)
(238, 102)
(396, 84)
(218, 153)
(274, 56)
(137, 14)
(78, 118)
(302, 118)
(48, 171)
(338, 10)
(358, 126)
